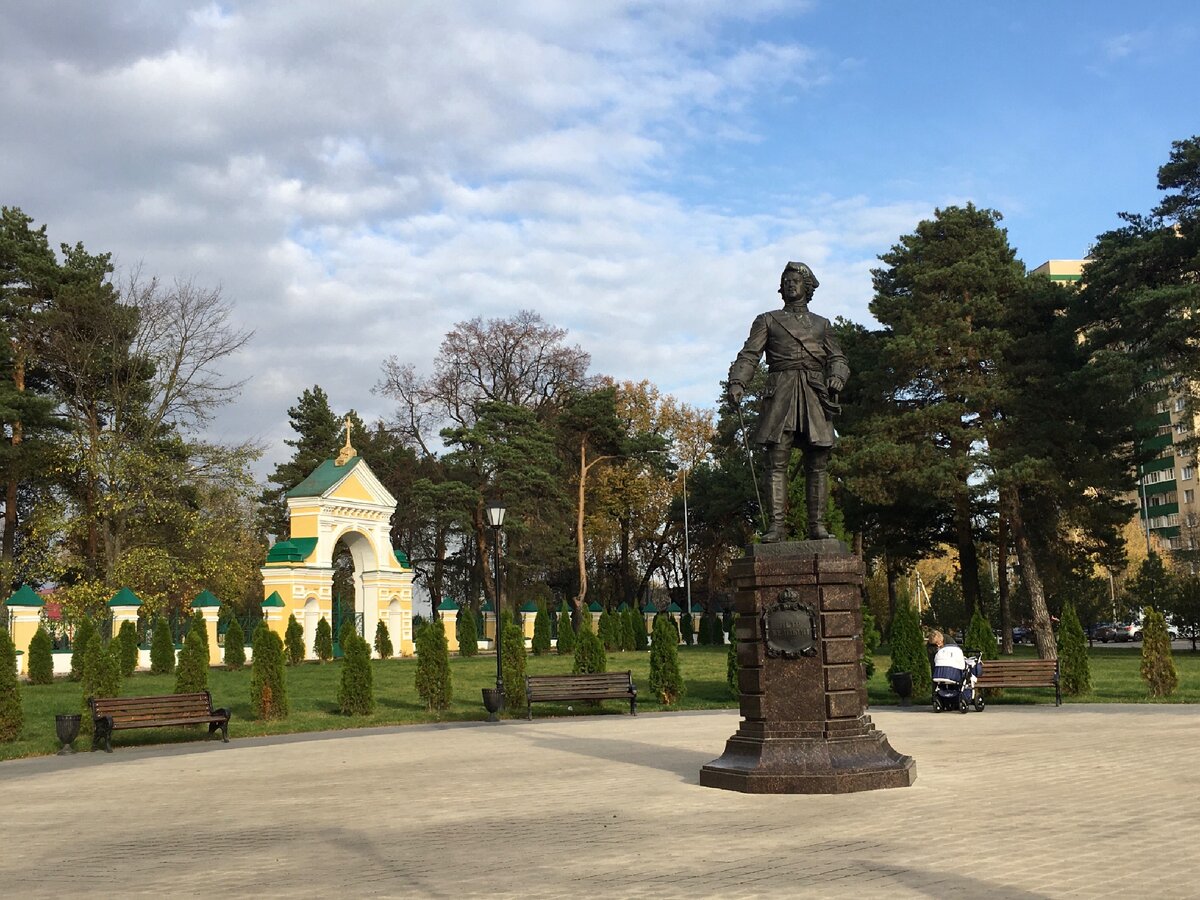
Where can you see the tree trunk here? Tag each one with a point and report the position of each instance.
(1006, 642)
(968, 561)
(1042, 632)
(485, 558)
(583, 579)
(9, 548)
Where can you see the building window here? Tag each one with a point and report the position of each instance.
(1180, 403)
(1186, 473)
(1189, 496)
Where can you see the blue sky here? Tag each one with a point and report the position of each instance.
(360, 176)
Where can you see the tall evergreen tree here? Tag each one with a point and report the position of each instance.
(468, 634)
(162, 649)
(356, 691)
(85, 633)
(435, 684)
(566, 632)
(192, 674)
(268, 681)
(235, 645)
(666, 682)
(1074, 668)
(907, 646)
(294, 641)
(41, 658)
(12, 716)
(317, 430)
(383, 641)
(541, 631)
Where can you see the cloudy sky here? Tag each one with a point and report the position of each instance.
(359, 176)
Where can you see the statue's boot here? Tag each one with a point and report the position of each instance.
(776, 489)
(816, 485)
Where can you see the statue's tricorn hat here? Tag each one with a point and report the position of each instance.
(804, 271)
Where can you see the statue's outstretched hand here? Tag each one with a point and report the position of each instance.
(735, 392)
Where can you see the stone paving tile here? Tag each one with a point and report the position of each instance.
(1014, 802)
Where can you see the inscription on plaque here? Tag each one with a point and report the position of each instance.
(790, 627)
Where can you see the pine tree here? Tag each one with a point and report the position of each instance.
(41, 658)
(84, 632)
(541, 631)
(907, 646)
(12, 717)
(192, 675)
(1075, 674)
(356, 693)
(468, 633)
(235, 645)
(589, 652)
(871, 638)
(323, 643)
(665, 680)
(317, 430)
(162, 649)
(268, 685)
(383, 641)
(1158, 665)
(686, 631)
(566, 632)
(980, 637)
(435, 684)
(127, 643)
(512, 663)
(293, 637)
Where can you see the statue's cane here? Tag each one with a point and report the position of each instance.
(750, 456)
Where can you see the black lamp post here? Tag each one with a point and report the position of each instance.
(493, 698)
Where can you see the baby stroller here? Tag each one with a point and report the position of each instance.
(954, 676)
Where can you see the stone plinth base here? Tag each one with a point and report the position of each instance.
(802, 688)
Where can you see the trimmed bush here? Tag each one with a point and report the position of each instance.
(1158, 665)
(293, 640)
(201, 627)
(566, 631)
(871, 638)
(541, 631)
(101, 677)
(192, 674)
(268, 687)
(607, 633)
(665, 680)
(383, 641)
(323, 643)
(641, 640)
(162, 649)
(356, 693)
(345, 631)
(434, 683)
(235, 645)
(41, 658)
(704, 637)
(512, 663)
(127, 645)
(589, 652)
(12, 716)
(84, 632)
(468, 632)
(731, 667)
(1074, 671)
(626, 626)
(907, 646)
(686, 630)
(979, 636)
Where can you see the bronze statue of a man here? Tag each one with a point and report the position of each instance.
(807, 371)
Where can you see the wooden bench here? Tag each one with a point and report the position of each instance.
(999, 673)
(111, 714)
(596, 686)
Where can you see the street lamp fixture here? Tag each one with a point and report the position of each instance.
(493, 698)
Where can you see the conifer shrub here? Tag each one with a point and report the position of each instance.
(566, 631)
(383, 641)
(589, 652)
(323, 643)
(345, 631)
(101, 676)
(980, 637)
(468, 632)
(200, 627)
(609, 636)
(111, 676)
(12, 716)
(541, 631)
(434, 683)
(641, 640)
(356, 693)
(293, 639)
(162, 649)
(84, 632)
(907, 645)
(192, 674)
(1074, 670)
(512, 662)
(871, 637)
(1158, 665)
(704, 636)
(716, 629)
(268, 688)
(686, 632)
(665, 680)
(235, 645)
(127, 644)
(625, 626)
(41, 658)
(731, 666)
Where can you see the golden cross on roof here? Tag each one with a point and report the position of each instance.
(347, 453)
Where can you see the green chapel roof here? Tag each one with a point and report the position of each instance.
(447, 605)
(402, 558)
(529, 606)
(274, 600)
(487, 606)
(205, 600)
(323, 477)
(125, 597)
(294, 550)
(595, 606)
(25, 596)
(674, 608)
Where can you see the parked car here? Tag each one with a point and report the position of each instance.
(1102, 632)
(1022, 634)
(1172, 632)
(1127, 631)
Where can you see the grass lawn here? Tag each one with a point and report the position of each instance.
(312, 692)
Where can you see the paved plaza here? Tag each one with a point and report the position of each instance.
(1083, 801)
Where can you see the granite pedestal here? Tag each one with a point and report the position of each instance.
(801, 683)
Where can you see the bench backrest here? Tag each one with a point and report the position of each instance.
(1019, 668)
(150, 708)
(581, 684)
